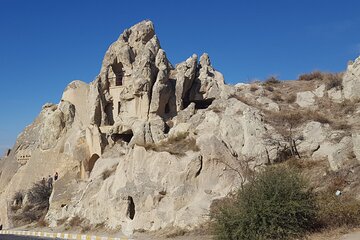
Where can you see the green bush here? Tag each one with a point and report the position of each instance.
(275, 204)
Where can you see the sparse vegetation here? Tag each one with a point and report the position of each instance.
(277, 97)
(331, 80)
(276, 204)
(175, 145)
(253, 88)
(337, 211)
(36, 206)
(61, 221)
(79, 222)
(75, 221)
(316, 75)
(39, 194)
(291, 98)
(272, 80)
(269, 88)
(18, 198)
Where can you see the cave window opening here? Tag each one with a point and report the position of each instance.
(117, 68)
(92, 162)
(131, 208)
(126, 136)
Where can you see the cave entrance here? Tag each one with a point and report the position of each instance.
(203, 104)
(130, 213)
(125, 136)
(91, 162)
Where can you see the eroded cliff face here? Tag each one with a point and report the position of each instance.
(147, 145)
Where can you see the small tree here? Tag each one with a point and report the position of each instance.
(276, 204)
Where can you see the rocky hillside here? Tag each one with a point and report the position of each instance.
(148, 145)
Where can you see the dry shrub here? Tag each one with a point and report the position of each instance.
(337, 211)
(175, 145)
(61, 221)
(277, 97)
(291, 98)
(241, 98)
(272, 80)
(42, 223)
(283, 118)
(316, 75)
(85, 228)
(100, 226)
(18, 198)
(176, 233)
(331, 80)
(253, 88)
(341, 126)
(75, 221)
(317, 117)
(347, 106)
(39, 194)
(269, 88)
(37, 206)
(302, 164)
(14, 208)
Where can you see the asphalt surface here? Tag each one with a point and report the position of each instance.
(14, 237)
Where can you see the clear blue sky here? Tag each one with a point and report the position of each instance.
(45, 44)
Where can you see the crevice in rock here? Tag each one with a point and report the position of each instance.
(316, 149)
(200, 168)
(131, 208)
(167, 128)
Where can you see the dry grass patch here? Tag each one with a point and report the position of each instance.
(277, 97)
(253, 88)
(175, 145)
(331, 80)
(338, 211)
(76, 221)
(294, 118)
(272, 80)
(61, 221)
(291, 98)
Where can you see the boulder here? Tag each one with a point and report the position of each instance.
(305, 99)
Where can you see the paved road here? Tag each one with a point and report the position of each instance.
(14, 237)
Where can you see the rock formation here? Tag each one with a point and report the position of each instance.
(150, 146)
